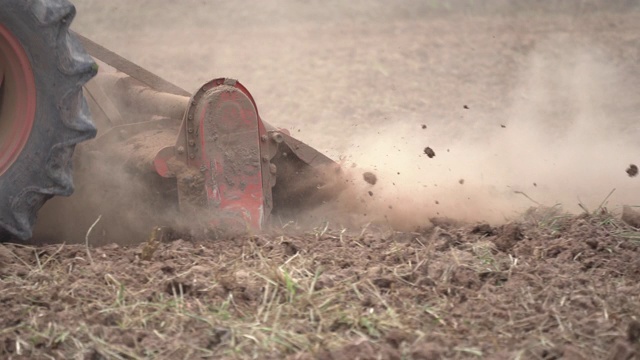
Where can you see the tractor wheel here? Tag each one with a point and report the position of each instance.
(43, 113)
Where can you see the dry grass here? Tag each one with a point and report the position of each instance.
(446, 292)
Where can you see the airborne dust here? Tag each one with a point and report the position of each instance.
(521, 105)
(571, 131)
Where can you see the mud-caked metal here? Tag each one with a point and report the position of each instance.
(228, 161)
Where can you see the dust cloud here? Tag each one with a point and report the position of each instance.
(571, 131)
(119, 202)
(523, 104)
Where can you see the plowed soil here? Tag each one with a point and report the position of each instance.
(549, 286)
(456, 269)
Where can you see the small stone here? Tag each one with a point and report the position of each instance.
(633, 332)
(631, 216)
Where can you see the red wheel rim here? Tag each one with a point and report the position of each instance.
(17, 98)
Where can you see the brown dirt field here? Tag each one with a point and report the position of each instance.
(427, 257)
(549, 286)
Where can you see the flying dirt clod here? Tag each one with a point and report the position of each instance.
(370, 177)
(429, 152)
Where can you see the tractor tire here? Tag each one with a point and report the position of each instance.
(41, 166)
